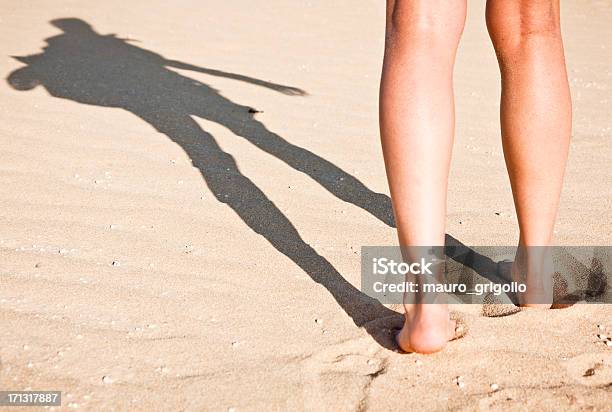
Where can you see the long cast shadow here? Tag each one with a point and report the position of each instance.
(103, 70)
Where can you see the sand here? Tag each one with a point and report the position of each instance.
(163, 247)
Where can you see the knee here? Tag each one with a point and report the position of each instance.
(511, 23)
(426, 23)
(542, 20)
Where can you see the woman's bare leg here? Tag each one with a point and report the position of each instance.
(535, 124)
(417, 128)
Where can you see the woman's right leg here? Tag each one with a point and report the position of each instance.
(536, 119)
(417, 128)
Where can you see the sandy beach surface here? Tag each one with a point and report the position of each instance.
(185, 188)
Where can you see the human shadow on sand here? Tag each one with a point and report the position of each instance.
(104, 70)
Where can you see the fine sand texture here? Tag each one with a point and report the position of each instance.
(185, 187)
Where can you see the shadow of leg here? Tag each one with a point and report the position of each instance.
(231, 187)
(338, 182)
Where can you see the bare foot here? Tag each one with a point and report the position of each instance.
(533, 266)
(427, 328)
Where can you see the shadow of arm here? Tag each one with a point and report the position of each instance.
(23, 78)
(288, 90)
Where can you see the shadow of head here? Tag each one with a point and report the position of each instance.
(72, 25)
(24, 79)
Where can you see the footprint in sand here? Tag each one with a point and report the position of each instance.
(339, 376)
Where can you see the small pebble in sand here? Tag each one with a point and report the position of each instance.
(112, 226)
(63, 251)
(319, 321)
(116, 263)
(602, 337)
(601, 327)
(235, 344)
(418, 362)
(107, 379)
(589, 372)
(494, 387)
(459, 381)
(39, 264)
(609, 343)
